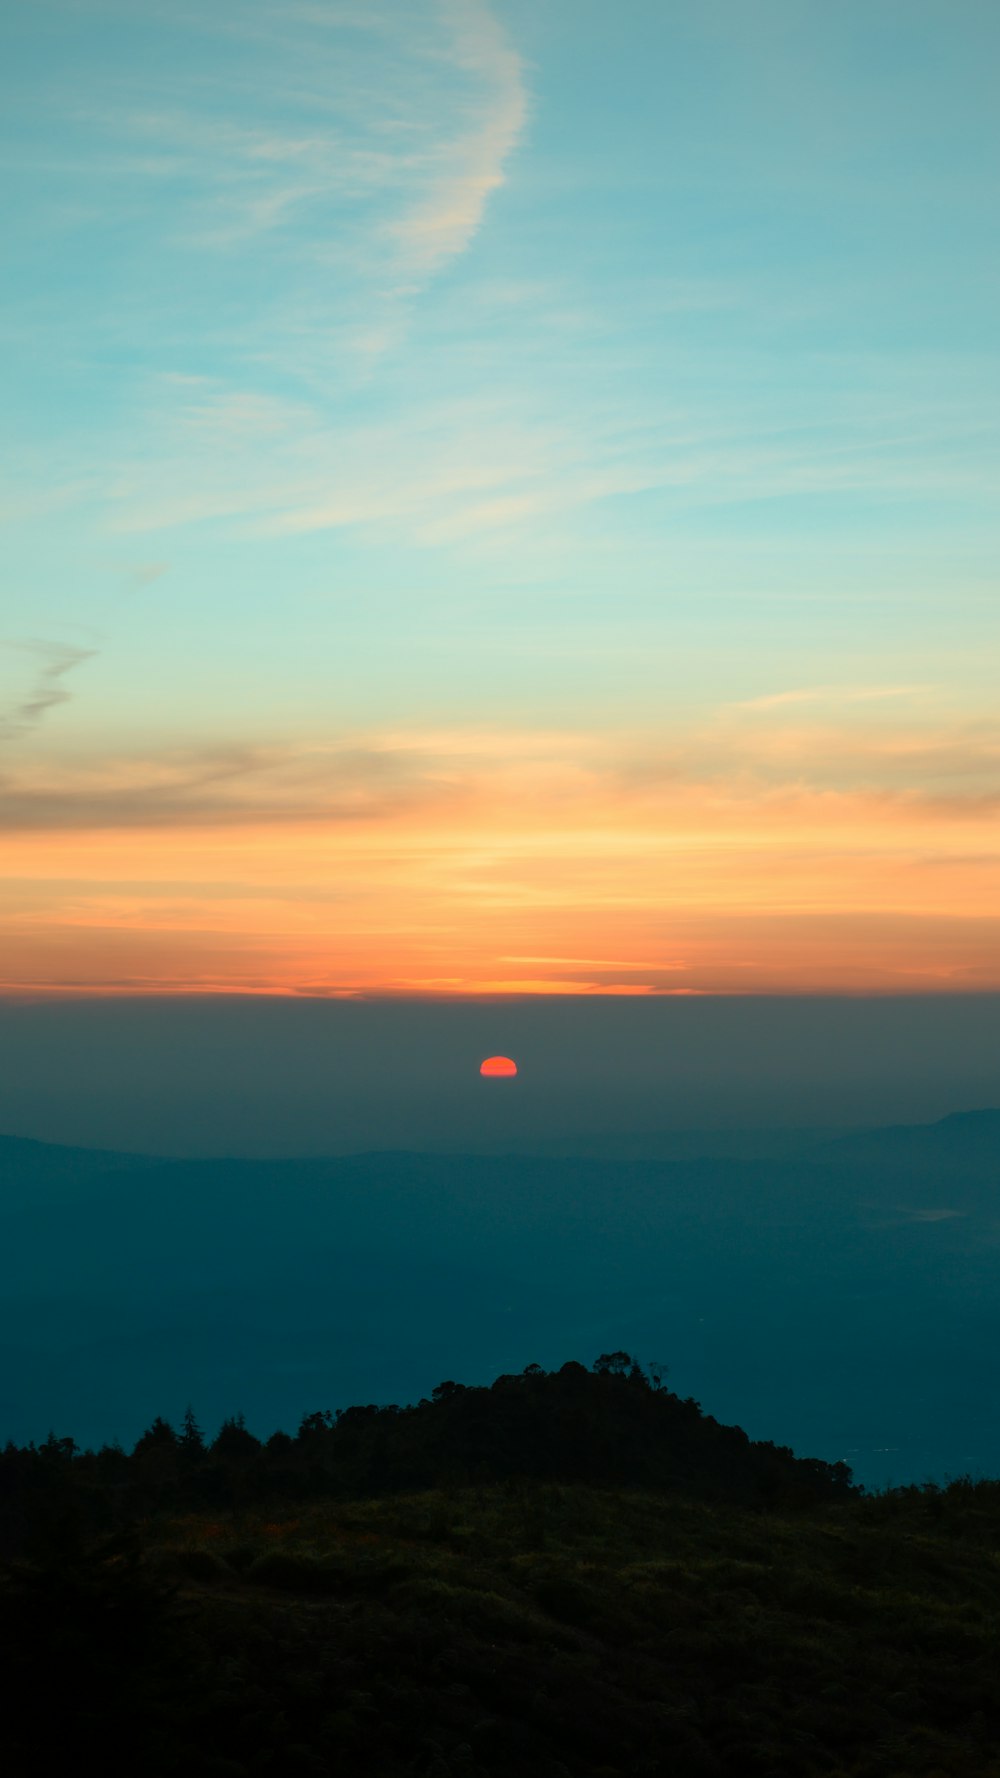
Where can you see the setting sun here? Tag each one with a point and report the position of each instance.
(498, 1068)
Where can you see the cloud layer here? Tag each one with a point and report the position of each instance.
(483, 862)
(50, 663)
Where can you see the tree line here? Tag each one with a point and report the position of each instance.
(616, 1423)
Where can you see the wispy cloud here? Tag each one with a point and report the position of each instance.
(618, 793)
(830, 694)
(329, 174)
(471, 164)
(222, 787)
(493, 463)
(134, 576)
(647, 964)
(385, 129)
(52, 662)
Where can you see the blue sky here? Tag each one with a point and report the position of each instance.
(581, 374)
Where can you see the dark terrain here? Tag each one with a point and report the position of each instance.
(572, 1575)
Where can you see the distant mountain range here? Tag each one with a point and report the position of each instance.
(838, 1291)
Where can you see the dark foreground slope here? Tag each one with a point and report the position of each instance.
(567, 1575)
(531, 1630)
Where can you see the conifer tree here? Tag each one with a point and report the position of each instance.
(192, 1442)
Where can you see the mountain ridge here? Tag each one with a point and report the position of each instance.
(690, 1145)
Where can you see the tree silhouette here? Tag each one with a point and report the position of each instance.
(614, 1364)
(192, 1442)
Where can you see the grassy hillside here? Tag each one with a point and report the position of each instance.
(571, 1574)
(524, 1628)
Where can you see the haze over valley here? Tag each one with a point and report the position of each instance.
(836, 1291)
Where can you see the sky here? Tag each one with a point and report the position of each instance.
(500, 499)
(281, 1076)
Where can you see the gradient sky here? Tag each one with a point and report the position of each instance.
(500, 497)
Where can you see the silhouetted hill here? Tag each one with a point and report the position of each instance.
(47, 1171)
(746, 1614)
(969, 1138)
(614, 1423)
(966, 1139)
(678, 1145)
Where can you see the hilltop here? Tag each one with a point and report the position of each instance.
(611, 1424)
(748, 1612)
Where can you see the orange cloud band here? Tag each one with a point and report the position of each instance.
(531, 865)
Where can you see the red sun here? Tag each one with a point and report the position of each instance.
(498, 1068)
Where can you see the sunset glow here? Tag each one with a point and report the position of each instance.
(455, 550)
(763, 859)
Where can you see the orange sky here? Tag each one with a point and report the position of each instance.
(732, 861)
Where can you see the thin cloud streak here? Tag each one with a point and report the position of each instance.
(443, 224)
(237, 786)
(830, 694)
(451, 473)
(337, 138)
(48, 690)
